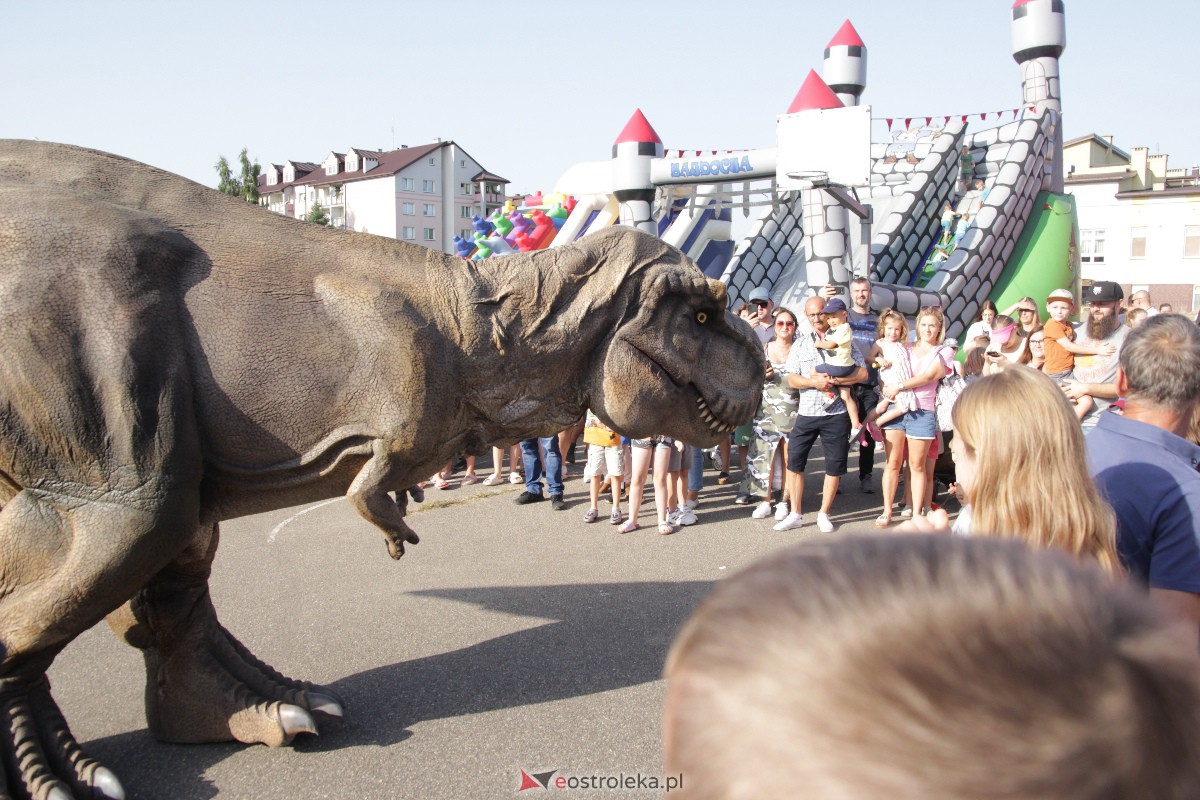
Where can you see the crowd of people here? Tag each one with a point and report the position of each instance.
(1102, 405)
(1075, 452)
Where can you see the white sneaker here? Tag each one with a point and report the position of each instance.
(781, 510)
(762, 510)
(683, 516)
(854, 433)
(824, 523)
(690, 505)
(790, 522)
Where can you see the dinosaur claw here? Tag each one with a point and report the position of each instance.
(324, 707)
(59, 793)
(105, 784)
(294, 720)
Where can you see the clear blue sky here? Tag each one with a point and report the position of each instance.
(529, 89)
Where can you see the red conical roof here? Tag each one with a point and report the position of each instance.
(846, 35)
(815, 93)
(1020, 3)
(638, 130)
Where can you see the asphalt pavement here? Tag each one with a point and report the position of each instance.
(511, 638)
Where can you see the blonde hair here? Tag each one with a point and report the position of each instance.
(936, 313)
(1031, 480)
(889, 315)
(912, 667)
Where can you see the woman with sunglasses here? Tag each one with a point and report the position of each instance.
(1026, 315)
(775, 418)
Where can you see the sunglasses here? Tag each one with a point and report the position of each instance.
(760, 303)
(1028, 311)
(785, 324)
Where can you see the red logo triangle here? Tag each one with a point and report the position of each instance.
(527, 782)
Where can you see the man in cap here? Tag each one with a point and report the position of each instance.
(1096, 375)
(761, 320)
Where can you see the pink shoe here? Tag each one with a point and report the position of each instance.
(470, 479)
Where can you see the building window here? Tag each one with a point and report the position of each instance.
(1191, 242)
(465, 212)
(467, 234)
(466, 188)
(427, 209)
(462, 162)
(427, 187)
(408, 208)
(428, 234)
(1137, 242)
(409, 233)
(406, 184)
(1091, 246)
(432, 161)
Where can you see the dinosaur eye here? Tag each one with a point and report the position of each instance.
(702, 317)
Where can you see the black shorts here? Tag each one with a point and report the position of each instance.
(834, 431)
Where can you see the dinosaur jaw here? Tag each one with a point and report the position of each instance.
(642, 397)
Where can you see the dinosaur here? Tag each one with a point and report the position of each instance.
(173, 357)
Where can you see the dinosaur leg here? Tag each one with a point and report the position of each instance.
(64, 563)
(202, 684)
(369, 496)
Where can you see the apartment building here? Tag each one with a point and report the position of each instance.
(1139, 219)
(425, 194)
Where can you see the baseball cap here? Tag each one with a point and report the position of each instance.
(1103, 292)
(760, 294)
(835, 304)
(1064, 295)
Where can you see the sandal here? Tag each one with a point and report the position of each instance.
(628, 527)
(883, 520)
(666, 528)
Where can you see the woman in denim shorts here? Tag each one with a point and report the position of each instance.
(916, 431)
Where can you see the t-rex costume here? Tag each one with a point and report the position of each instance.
(172, 357)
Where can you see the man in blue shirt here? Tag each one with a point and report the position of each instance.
(1147, 469)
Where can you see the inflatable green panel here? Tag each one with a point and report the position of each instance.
(1045, 256)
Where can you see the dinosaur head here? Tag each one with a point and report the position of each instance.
(678, 362)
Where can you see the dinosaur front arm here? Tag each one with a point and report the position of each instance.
(369, 496)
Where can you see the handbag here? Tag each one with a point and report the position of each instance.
(949, 388)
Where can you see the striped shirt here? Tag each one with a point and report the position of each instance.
(803, 360)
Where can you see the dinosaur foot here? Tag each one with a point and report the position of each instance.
(42, 760)
(222, 692)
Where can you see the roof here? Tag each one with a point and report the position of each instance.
(814, 93)
(1100, 140)
(390, 163)
(638, 129)
(489, 176)
(846, 35)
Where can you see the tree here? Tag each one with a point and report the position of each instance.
(245, 187)
(225, 181)
(317, 214)
(250, 173)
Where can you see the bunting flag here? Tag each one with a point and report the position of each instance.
(983, 115)
(928, 120)
(907, 122)
(946, 121)
(889, 122)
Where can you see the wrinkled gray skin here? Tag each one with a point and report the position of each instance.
(171, 357)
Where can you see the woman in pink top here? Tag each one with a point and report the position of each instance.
(918, 427)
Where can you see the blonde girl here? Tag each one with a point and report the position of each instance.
(1028, 481)
(890, 355)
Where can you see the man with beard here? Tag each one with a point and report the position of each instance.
(865, 324)
(1097, 375)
